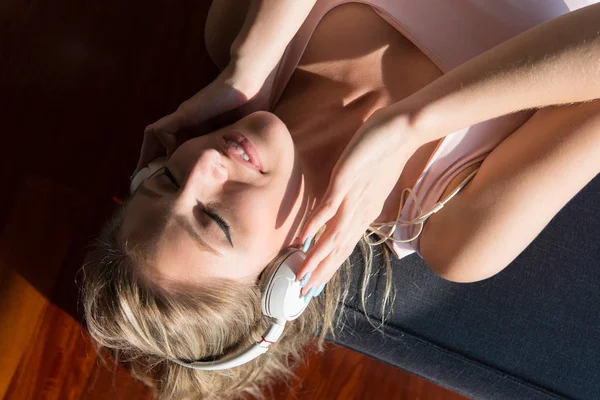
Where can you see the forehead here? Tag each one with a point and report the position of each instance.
(144, 214)
(169, 252)
(177, 258)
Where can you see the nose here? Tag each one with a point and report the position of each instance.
(209, 168)
(207, 175)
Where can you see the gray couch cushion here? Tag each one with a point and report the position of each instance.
(531, 331)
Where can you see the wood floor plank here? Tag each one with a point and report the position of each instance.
(113, 382)
(29, 264)
(20, 308)
(57, 362)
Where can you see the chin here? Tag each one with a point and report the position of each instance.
(267, 122)
(270, 135)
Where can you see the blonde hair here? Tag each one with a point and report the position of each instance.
(146, 325)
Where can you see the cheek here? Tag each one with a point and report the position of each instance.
(259, 209)
(263, 241)
(262, 216)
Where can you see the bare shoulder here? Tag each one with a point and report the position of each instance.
(432, 237)
(521, 185)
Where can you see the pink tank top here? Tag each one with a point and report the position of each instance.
(449, 32)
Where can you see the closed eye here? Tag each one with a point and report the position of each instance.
(171, 177)
(220, 222)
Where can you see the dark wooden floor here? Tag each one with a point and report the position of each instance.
(79, 80)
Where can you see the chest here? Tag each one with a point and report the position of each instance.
(354, 63)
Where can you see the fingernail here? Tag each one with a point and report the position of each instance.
(309, 295)
(305, 279)
(319, 290)
(306, 244)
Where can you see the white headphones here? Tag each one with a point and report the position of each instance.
(281, 298)
(140, 176)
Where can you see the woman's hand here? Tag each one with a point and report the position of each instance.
(361, 181)
(229, 97)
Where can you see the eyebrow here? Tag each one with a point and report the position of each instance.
(180, 220)
(189, 228)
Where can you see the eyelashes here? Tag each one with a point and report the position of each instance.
(171, 177)
(217, 219)
(222, 224)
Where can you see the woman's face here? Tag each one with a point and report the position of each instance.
(204, 187)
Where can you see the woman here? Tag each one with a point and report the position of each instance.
(365, 100)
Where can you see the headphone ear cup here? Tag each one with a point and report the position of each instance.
(139, 177)
(281, 298)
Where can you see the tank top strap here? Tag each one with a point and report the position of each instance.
(293, 53)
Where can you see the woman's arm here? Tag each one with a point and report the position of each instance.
(268, 28)
(557, 62)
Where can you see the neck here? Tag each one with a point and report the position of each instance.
(321, 127)
(319, 139)
(311, 193)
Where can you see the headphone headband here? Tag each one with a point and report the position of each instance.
(144, 173)
(281, 300)
(269, 338)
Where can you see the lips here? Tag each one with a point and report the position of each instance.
(248, 147)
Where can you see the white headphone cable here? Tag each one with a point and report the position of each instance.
(377, 226)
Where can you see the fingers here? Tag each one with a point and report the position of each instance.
(167, 124)
(329, 247)
(159, 137)
(170, 124)
(330, 251)
(175, 121)
(155, 145)
(318, 253)
(324, 211)
(324, 274)
(327, 263)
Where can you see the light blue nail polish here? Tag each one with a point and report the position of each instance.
(319, 290)
(309, 295)
(306, 244)
(305, 279)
